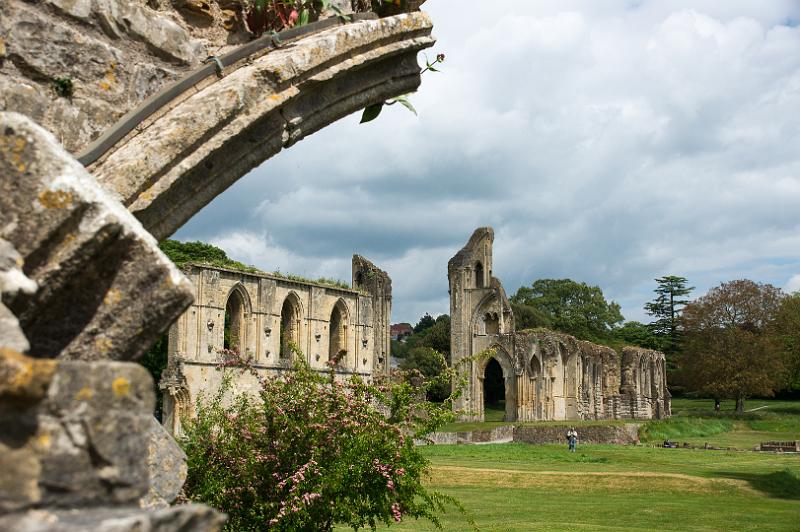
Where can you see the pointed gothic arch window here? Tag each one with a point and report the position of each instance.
(337, 332)
(479, 275)
(234, 329)
(290, 325)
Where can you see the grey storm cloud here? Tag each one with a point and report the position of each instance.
(609, 142)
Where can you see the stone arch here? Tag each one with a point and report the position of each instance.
(338, 328)
(486, 317)
(261, 106)
(237, 313)
(479, 275)
(504, 360)
(291, 323)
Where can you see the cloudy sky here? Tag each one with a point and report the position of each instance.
(609, 142)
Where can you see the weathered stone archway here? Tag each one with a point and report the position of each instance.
(177, 162)
(501, 356)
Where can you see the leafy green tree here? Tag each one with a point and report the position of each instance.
(787, 332)
(529, 317)
(425, 322)
(571, 307)
(666, 309)
(438, 336)
(637, 333)
(730, 349)
(430, 363)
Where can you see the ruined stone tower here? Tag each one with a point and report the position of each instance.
(545, 374)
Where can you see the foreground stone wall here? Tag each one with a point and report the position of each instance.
(547, 375)
(80, 283)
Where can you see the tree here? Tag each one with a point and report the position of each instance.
(438, 336)
(730, 349)
(529, 317)
(425, 322)
(574, 308)
(430, 363)
(637, 333)
(666, 309)
(787, 332)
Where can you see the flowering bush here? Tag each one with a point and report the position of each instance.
(309, 452)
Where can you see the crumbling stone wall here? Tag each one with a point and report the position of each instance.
(548, 375)
(81, 283)
(259, 333)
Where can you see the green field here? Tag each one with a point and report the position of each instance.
(525, 487)
(603, 487)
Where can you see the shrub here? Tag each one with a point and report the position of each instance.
(308, 452)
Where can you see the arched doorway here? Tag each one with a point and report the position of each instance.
(498, 392)
(494, 392)
(337, 333)
(234, 329)
(290, 325)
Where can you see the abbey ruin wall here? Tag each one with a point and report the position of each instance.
(547, 375)
(265, 318)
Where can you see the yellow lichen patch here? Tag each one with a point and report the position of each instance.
(110, 78)
(121, 386)
(43, 441)
(55, 199)
(103, 345)
(112, 297)
(2, 47)
(14, 146)
(23, 377)
(84, 394)
(147, 195)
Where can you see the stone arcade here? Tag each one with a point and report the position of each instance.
(264, 314)
(546, 375)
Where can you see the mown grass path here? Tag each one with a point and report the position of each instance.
(516, 487)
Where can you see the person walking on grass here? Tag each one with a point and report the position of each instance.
(572, 439)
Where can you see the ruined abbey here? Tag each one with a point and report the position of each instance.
(546, 375)
(263, 317)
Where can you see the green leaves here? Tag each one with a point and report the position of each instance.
(371, 112)
(402, 100)
(302, 19)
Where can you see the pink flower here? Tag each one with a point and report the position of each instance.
(398, 515)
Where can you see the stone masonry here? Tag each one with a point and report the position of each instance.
(84, 289)
(547, 375)
(264, 314)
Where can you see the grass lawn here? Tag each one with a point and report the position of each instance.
(512, 487)
(603, 487)
(763, 420)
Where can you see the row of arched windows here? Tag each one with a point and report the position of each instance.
(234, 336)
